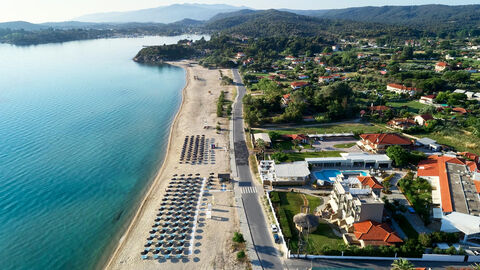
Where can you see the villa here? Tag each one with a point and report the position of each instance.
(379, 142)
(429, 100)
(402, 89)
(298, 85)
(401, 123)
(371, 233)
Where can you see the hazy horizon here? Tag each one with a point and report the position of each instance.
(57, 10)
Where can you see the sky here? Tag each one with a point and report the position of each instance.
(63, 10)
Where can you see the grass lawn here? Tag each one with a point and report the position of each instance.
(344, 145)
(461, 140)
(291, 204)
(302, 155)
(340, 128)
(413, 106)
(475, 76)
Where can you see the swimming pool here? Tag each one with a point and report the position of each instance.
(325, 175)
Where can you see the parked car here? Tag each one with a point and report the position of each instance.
(276, 238)
(274, 228)
(411, 210)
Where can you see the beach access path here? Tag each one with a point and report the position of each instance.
(212, 247)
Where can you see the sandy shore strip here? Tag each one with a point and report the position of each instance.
(212, 240)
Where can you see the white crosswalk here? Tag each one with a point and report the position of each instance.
(249, 190)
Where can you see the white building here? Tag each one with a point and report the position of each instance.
(295, 173)
(351, 203)
(352, 160)
(263, 136)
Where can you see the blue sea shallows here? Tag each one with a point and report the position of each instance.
(83, 129)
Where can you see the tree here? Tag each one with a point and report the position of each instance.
(238, 237)
(425, 240)
(398, 154)
(279, 157)
(402, 264)
(262, 146)
(274, 136)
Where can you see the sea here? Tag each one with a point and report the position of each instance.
(83, 131)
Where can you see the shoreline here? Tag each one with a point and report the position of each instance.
(141, 208)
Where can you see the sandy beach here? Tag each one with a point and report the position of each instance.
(212, 240)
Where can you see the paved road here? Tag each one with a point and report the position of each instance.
(293, 264)
(267, 253)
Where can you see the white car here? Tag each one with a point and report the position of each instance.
(274, 228)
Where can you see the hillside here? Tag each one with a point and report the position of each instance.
(164, 14)
(267, 23)
(18, 25)
(430, 16)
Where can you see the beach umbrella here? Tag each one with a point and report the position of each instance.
(144, 257)
(156, 256)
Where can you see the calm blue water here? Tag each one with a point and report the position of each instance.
(326, 174)
(82, 130)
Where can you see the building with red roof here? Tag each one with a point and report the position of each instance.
(470, 156)
(401, 123)
(441, 66)
(452, 188)
(285, 100)
(298, 85)
(423, 118)
(372, 233)
(370, 182)
(380, 109)
(402, 89)
(429, 99)
(379, 142)
(298, 137)
(460, 110)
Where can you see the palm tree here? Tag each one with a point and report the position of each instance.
(476, 266)
(402, 264)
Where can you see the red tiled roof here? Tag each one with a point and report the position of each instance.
(296, 136)
(460, 110)
(379, 108)
(472, 166)
(427, 117)
(477, 186)
(299, 84)
(471, 156)
(442, 64)
(403, 87)
(437, 166)
(386, 139)
(286, 96)
(379, 233)
(429, 96)
(370, 181)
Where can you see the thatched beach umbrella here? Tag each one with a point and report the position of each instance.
(306, 222)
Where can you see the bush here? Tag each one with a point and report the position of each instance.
(275, 198)
(283, 220)
(240, 255)
(238, 237)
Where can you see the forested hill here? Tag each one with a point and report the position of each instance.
(269, 23)
(433, 17)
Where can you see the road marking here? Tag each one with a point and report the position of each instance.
(249, 190)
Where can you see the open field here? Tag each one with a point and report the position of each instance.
(413, 106)
(334, 128)
(461, 140)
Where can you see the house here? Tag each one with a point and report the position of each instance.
(326, 79)
(263, 136)
(441, 66)
(372, 233)
(298, 85)
(302, 77)
(380, 109)
(295, 173)
(240, 55)
(453, 190)
(297, 137)
(422, 119)
(402, 89)
(470, 156)
(379, 142)
(308, 118)
(370, 182)
(285, 100)
(401, 123)
(361, 56)
(429, 100)
(350, 203)
(429, 144)
(290, 58)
